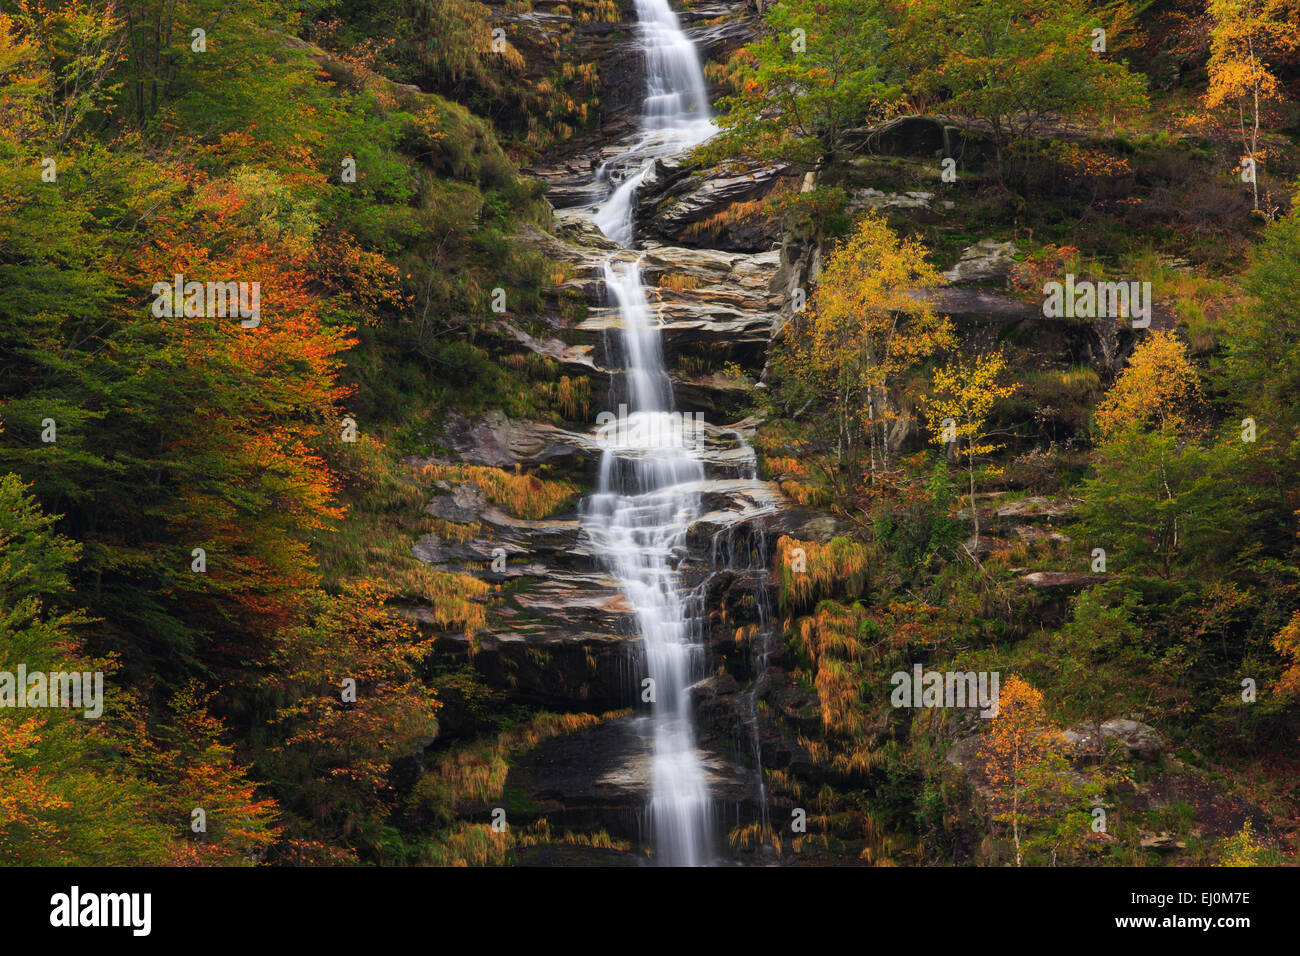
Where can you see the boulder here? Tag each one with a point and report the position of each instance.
(871, 198)
(904, 136)
(601, 777)
(1038, 508)
(1162, 842)
(972, 305)
(1029, 533)
(579, 228)
(1059, 580)
(465, 503)
(1138, 740)
(986, 260)
(1085, 740)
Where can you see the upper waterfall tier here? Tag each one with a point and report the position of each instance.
(675, 114)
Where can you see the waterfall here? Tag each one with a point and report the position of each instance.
(648, 489)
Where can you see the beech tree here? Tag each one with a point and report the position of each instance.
(957, 409)
(59, 64)
(1158, 388)
(1263, 338)
(1287, 643)
(1162, 505)
(222, 77)
(187, 429)
(1035, 793)
(175, 432)
(344, 702)
(204, 794)
(813, 74)
(1158, 497)
(68, 797)
(1017, 65)
(1249, 39)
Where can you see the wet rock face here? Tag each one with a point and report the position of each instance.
(562, 635)
(501, 442)
(677, 202)
(728, 714)
(559, 668)
(594, 779)
(600, 778)
(547, 34)
(715, 310)
(716, 28)
(719, 29)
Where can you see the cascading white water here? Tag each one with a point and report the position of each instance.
(647, 495)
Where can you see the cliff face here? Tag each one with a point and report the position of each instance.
(721, 276)
(724, 277)
(560, 635)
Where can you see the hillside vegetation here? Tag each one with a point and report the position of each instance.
(232, 520)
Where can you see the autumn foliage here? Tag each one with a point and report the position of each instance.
(867, 330)
(1035, 794)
